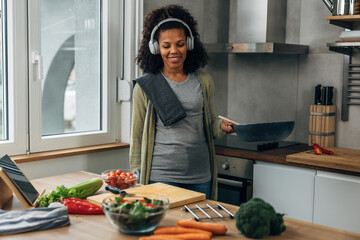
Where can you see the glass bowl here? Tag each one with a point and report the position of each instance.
(135, 213)
(120, 178)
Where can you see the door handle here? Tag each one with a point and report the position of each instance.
(38, 60)
(229, 182)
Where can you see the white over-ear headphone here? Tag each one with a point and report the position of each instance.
(154, 45)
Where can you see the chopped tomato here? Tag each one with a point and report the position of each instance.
(150, 205)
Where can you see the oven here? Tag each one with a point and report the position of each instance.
(235, 177)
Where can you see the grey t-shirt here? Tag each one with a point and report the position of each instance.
(181, 153)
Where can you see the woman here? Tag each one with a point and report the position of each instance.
(174, 121)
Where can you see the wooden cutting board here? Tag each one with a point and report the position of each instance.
(177, 196)
(343, 159)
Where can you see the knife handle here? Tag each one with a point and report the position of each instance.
(323, 96)
(114, 190)
(229, 120)
(318, 94)
(329, 95)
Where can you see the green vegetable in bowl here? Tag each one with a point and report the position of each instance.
(135, 214)
(257, 218)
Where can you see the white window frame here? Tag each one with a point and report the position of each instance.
(110, 41)
(133, 17)
(17, 79)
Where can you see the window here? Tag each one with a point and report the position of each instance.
(3, 105)
(59, 65)
(71, 50)
(69, 74)
(13, 78)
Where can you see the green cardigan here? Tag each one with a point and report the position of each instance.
(143, 131)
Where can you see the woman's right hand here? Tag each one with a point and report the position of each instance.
(226, 126)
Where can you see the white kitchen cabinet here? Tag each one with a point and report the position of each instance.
(337, 201)
(288, 189)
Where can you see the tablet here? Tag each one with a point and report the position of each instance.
(17, 177)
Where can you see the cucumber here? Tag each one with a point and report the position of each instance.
(88, 187)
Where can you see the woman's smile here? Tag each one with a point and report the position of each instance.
(174, 59)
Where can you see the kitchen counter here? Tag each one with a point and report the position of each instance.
(279, 156)
(98, 227)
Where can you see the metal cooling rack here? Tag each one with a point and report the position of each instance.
(207, 209)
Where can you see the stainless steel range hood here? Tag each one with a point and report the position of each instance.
(257, 26)
(268, 47)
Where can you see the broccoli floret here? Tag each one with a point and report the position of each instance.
(257, 218)
(277, 226)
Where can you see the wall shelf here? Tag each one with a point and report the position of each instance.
(345, 21)
(351, 75)
(344, 47)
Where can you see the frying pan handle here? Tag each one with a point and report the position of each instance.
(229, 120)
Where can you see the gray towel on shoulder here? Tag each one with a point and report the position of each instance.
(35, 219)
(164, 100)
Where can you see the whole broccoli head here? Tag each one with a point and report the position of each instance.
(257, 218)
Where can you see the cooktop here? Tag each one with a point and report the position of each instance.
(233, 141)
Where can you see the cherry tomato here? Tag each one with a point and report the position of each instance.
(119, 181)
(118, 172)
(112, 178)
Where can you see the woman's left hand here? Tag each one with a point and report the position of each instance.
(227, 127)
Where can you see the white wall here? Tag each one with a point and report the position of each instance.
(93, 162)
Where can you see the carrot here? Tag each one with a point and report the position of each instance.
(215, 228)
(159, 237)
(183, 236)
(179, 230)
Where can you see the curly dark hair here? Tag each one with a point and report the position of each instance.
(149, 63)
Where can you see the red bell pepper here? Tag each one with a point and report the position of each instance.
(79, 206)
(319, 150)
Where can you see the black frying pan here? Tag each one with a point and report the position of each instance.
(261, 132)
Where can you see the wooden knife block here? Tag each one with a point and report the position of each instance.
(322, 125)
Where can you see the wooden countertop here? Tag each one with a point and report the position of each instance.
(279, 156)
(98, 227)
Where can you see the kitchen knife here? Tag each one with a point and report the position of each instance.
(318, 94)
